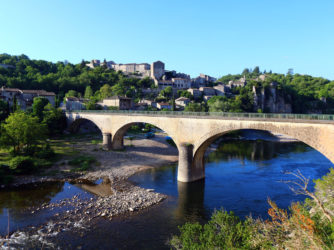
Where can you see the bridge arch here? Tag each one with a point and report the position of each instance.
(120, 131)
(74, 126)
(311, 135)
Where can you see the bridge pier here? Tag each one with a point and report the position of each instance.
(117, 143)
(187, 171)
(107, 140)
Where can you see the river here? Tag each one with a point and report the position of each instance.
(240, 176)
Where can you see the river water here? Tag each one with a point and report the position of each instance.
(240, 176)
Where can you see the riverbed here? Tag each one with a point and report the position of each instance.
(240, 176)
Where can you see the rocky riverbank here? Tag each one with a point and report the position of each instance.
(114, 196)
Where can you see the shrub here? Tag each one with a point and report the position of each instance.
(22, 165)
(84, 163)
(223, 231)
(45, 152)
(5, 176)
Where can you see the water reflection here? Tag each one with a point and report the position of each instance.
(102, 188)
(25, 196)
(257, 150)
(190, 200)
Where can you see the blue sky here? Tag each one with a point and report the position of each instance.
(215, 37)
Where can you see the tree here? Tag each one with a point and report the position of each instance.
(184, 93)
(71, 93)
(245, 72)
(54, 119)
(194, 107)
(38, 107)
(91, 105)
(16, 106)
(4, 110)
(88, 92)
(256, 70)
(218, 104)
(167, 92)
(105, 91)
(22, 132)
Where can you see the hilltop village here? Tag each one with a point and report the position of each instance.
(171, 91)
(142, 86)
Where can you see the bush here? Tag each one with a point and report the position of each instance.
(223, 231)
(5, 176)
(84, 163)
(45, 152)
(22, 165)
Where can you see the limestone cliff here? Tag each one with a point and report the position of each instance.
(271, 100)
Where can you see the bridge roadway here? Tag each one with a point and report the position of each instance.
(194, 132)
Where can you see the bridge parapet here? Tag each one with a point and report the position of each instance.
(306, 117)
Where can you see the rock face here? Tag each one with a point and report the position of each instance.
(271, 100)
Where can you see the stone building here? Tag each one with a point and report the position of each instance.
(120, 102)
(238, 83)
(141, 68)
(221, 89)
(157, 70)
(202, 81)
(182, 101)
(181, 83)
(25, 98)
(164, 105)
(74, 103)
(195, 93)
(207, 91)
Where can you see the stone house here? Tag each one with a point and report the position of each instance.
(181, 83)
(25, 98)
(207, 91)
(164, 105)
(29, 95)
(195, 93)
(157, 70)
(120, 102)
(182, 101)
(221, 89)
(141, 68)
(148, 102)
(238, 83)
(74, 103)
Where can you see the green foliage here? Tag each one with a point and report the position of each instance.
(185, 93)
(82, 163)
(22, 165)
(194, 107)
(302, 91)
(105, 91)
(72, 93)
(4, 110)
(54, 119)
(223, 231)
(88, 92)
(38, 107)
(6, 176)
(309, 225)
(46, 152)
(167, 92)
(22, 132)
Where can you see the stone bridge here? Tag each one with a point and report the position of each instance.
(194, 132)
